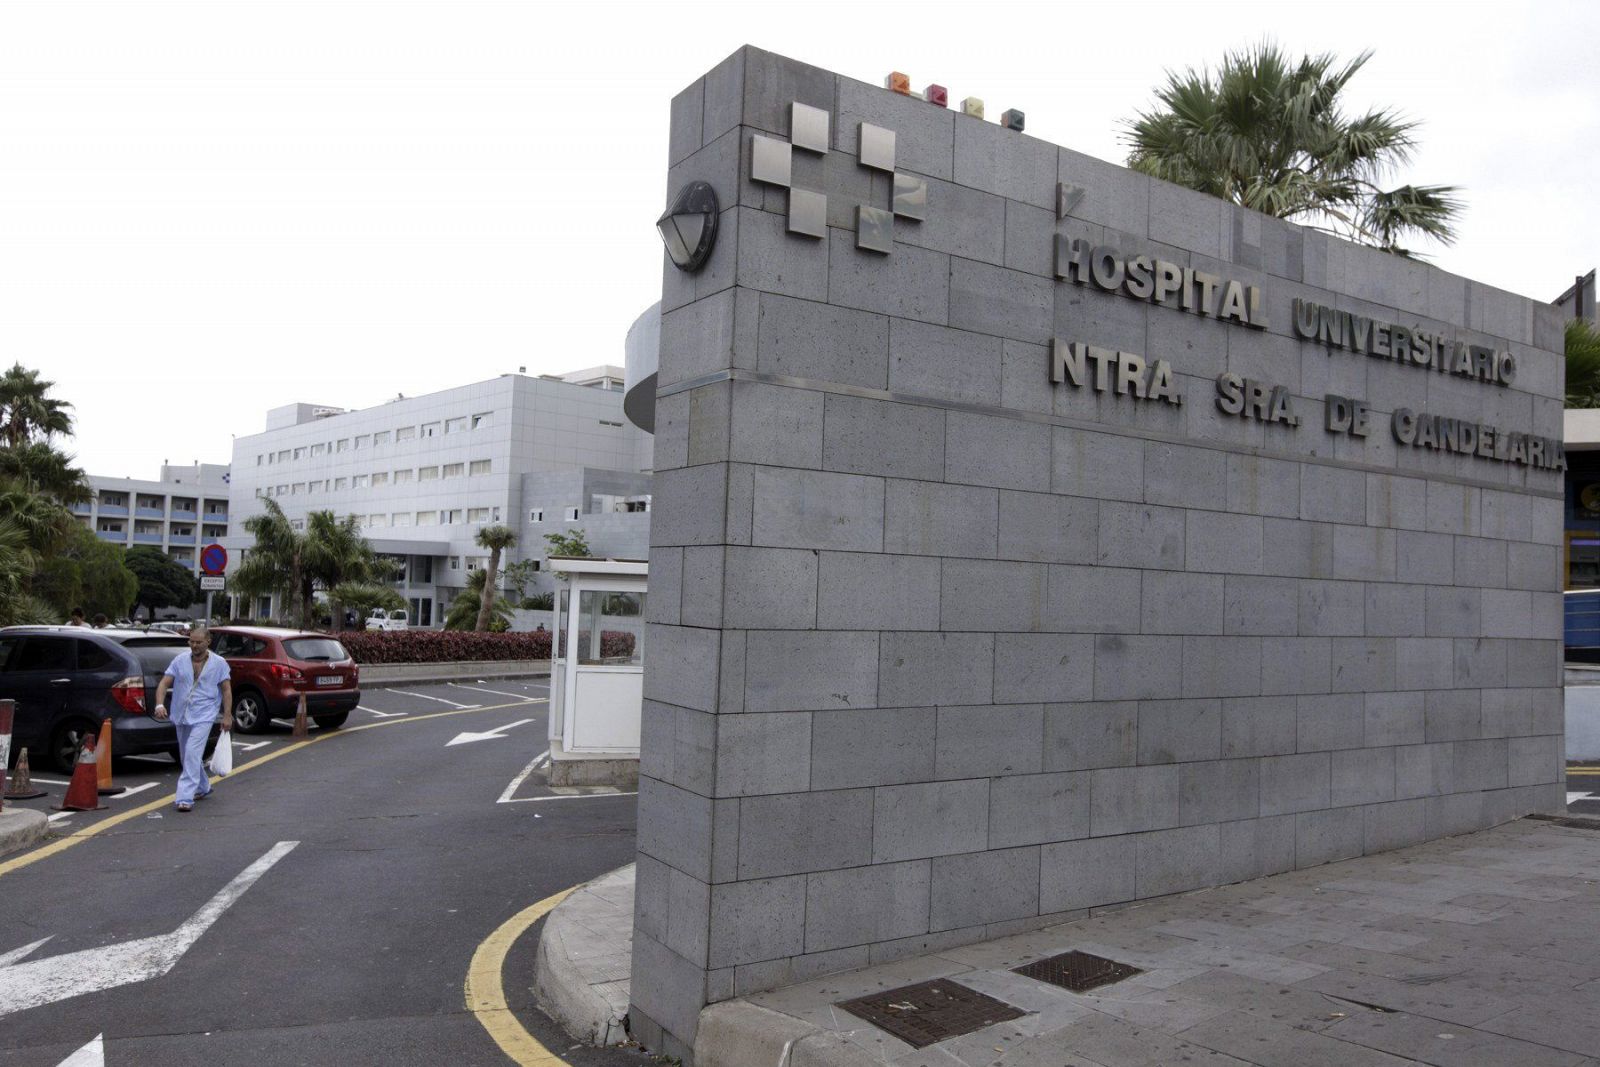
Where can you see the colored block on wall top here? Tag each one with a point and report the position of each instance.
(898, 83)
(973, 106)
(936, 95)
(1012, 119)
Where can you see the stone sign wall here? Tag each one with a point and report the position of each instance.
(1031, 536)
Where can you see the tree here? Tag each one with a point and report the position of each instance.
(26, 413)
(276, 563)
(1583, 364)
(1268, 133)
(518, 575)
(572, 543)
(89, 573)
(466, 608)
(365, 597)
(496, 539)
(336, 554)
(163, 581)
(41, 469)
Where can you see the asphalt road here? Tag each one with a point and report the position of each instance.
(351, 946)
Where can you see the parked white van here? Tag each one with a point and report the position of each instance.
(387, 620)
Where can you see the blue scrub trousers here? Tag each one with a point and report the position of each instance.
(192, 782)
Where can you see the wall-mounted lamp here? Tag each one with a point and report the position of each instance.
(689, 228)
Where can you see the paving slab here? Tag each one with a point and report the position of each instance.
(21, 827)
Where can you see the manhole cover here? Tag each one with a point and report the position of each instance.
(927, 1012)
(1077, 971)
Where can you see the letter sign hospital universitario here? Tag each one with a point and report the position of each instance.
(1199, 292)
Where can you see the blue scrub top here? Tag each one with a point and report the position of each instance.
(196, 703)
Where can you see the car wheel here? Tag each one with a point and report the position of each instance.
(250, 713)
(66, 740)
(330, 722)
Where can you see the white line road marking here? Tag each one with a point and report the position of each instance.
(441, 700)
(570, 796)
(135, 789)
(252, 747)
(497, 734)
(1570, 796)
(381, 714)
(52, 781)
(149, 759)
(29, 985)
(8, 958)
(91, 1055)
(522, 776)
(58, 816)
(496, 692)
(544, 758)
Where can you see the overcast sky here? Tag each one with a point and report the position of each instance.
(208, 209)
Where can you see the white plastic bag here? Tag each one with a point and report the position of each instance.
(222, 756)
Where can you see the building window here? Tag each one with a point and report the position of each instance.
(402, 476)
(477, 514)
(358, 481)
(283, 490)
(283, 457)
(297, 488)
(362, 440)
(314, 487)
(402, 518)
(427, 518)
(495, 515)
(536, 515)
(343, 445)
(427, 474)
(300, 453)
(482, 419)
(430, 429)
(377, 520)
(455, 563)
(451, 517)
(477, 563)
(454, 470)
(405, 433)
(318, 449)
(456, 425)
(380, 478)
(259, 458)
(297, 524)
(479, 466)
(572, 514)
(339, 483)
(380, 438)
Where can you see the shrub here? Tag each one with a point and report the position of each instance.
(443, 646)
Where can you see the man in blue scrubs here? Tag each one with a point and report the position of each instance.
(201, 690)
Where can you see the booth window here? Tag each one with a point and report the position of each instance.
(609, 625)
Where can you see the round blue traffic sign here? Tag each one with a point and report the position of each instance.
(213, 559)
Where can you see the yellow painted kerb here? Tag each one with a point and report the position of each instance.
(486, 994)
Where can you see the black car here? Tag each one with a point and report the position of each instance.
(67, 679)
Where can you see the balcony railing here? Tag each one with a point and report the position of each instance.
(216, 516)
(181, 539)
(187, 514)
(119, 536)
(115, 510)
(149, 513)
(147, 538)
(81, 508)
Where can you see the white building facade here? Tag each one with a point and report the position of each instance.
(425, 474)
(184, 510)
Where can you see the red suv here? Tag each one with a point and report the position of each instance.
(273, 668)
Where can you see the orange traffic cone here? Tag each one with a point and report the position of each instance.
(102, 768)
(300, 729)
(83, 794)
(20, 786)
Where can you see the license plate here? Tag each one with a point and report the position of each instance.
(330, 680)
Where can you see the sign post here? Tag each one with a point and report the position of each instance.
(213, 561)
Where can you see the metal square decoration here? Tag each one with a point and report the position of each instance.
(808, 127)
(910, 197)
(808, 213)
(770, 160)
(877, 147)
(874, 229)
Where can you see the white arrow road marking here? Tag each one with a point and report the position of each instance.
(381, 714)
(91, 1055)
(29, 985)
(58, 816)
(425, 696)
(522, 776)
(251, 748)
(8, 958)
(498, 733)
(135, 789)
(498, 692)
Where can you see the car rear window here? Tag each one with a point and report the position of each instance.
(153, 659)
(94, 657)
(315, 649)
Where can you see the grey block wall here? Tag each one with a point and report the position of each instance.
(940, 651)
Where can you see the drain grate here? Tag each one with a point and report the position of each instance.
(1077, 971)
(927, 1012)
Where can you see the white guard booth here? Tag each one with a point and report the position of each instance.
(596, 670)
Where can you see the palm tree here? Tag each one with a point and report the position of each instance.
(1583, 364)
(337, 553)
(277, 561)
(42, 469)
(496, 539)
(26, 412)
(467, 608)
(1268, 133)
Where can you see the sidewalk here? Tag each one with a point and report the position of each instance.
(21, 827)
(1473, 951)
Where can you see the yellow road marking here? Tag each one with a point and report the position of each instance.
(486, 994)
(80, 836)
